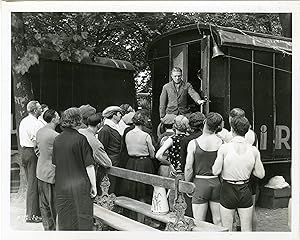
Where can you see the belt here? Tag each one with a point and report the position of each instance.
(237, 181)
(28, 147)
(205, 177)
(140, 157)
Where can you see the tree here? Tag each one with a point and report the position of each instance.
(21, 84)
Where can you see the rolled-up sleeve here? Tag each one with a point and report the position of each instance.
(100, 155)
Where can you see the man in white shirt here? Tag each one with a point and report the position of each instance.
(27, 136)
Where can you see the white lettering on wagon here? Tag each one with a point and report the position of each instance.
(282, 136)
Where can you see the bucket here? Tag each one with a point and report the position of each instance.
(159, 201)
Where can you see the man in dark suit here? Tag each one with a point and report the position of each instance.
(174, 95)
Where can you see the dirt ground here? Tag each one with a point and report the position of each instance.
(269, 220)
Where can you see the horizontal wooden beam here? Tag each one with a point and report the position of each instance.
(151, 179)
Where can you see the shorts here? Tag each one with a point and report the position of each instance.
(234, 196)
(207, 189)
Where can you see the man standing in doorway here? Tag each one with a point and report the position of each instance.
(174, 95)
(27, 134)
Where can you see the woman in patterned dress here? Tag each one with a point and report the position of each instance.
(173, 145)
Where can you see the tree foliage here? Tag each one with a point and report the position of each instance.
(124, 36)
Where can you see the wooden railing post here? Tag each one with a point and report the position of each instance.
(180, 224)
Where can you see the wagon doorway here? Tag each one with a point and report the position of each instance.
(193, 58)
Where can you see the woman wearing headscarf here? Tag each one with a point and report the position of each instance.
(75, 181)
(173, 145)
(201, 155)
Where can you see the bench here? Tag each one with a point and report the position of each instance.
(105, 216)
(144, 208)
(117, 221)
(175, 221)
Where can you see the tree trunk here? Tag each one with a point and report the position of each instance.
(22, 90)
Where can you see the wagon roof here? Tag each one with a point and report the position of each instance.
(228, 36)
(99, 61)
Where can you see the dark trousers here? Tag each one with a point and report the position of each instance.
(47, 207)
(29, 161)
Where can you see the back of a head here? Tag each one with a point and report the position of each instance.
(126, 108)
(71, 118)
(94, 119)
(214, 121)
(31, 106)
(181, 123)
(86, 111)
(49, 115)
(237, 112)
(140, 118)
(240, 125)
(196, 120)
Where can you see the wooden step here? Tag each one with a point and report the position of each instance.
(119, 222)
(144, 208)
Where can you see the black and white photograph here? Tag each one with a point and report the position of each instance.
(130, 119)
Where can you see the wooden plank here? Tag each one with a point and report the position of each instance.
(144, 208)
(151, 179)
(118, 221)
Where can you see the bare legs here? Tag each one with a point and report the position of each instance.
(200, 210)
(215, 211)
(254, 219)
(245, 217)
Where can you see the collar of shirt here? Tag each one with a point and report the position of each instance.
(111, 124)
(238, 139)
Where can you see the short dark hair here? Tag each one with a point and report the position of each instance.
(196, 120)
(125, 107)
(240, 125)
(214, 121)
(237, 112)
(49, 115)
(95, 119)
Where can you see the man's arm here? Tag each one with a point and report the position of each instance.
(100, 155)
(163, 100)
(188, 170)
(259, 170)
(218, 165)
(193, 94)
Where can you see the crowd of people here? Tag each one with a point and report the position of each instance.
(64, 157)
